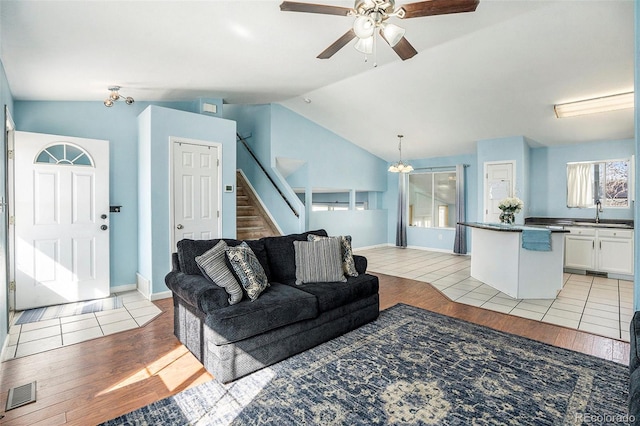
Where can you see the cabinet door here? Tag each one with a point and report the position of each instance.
(615, 255)
(579, 252)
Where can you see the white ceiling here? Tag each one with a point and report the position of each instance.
(495, 72)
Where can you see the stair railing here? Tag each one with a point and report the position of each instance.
(255, 158)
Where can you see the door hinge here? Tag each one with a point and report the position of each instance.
(218, 213)
(218, 162)
(12, 220)
(10, 154)
(12, 286)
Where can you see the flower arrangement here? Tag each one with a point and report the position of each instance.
(511, 204)
(509, 207)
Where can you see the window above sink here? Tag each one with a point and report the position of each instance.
(608, 182)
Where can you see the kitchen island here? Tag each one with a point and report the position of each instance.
(499, 259)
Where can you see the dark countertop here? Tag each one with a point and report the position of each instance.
(591, 222)
(510, 228)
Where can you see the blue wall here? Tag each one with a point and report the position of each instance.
(5, 99)
(325, 161)
(636, 214)
(157, 126)
(549, 177)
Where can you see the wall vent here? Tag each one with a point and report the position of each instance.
(21, 395)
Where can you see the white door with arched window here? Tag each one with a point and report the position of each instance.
(61, 219)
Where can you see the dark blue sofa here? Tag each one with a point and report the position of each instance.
(634, 370)
(234, 340)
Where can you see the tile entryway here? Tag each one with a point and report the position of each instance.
(42, 336)
(595, 305)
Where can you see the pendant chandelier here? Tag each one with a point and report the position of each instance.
(399, 166)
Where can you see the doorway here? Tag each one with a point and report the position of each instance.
(498, 184)
(62, 225)
(195, 194)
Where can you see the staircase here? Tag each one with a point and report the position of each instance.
(252, 222)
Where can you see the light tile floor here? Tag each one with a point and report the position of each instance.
(596, 305)
(41, 336)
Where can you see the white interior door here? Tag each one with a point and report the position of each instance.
(61, 219)
(498, 184)
(196, 192)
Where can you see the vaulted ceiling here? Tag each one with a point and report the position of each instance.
(492, 73)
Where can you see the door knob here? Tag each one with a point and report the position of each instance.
(103, 216)
(104, 227)
(179, 226)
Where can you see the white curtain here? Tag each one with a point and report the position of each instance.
(580, 185)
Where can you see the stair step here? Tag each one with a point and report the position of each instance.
(249, 228)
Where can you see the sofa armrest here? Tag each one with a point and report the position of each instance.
(361, 263)
(197, 291)
(175, 262)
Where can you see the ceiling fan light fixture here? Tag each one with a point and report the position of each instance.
(393, 33)
(364, 26)
(365, 45)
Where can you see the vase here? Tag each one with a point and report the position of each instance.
(507, 217)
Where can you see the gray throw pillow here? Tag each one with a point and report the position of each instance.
(348, 264)
(318, 261)
(248, 269)
(213, 265)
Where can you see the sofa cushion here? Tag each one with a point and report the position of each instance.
(189, 249)
(348, 264)
(336, 294)
(281, 255)
(248, 270)
(278, 306)
(213, 264)
(318, 261)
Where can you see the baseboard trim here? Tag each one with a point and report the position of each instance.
(143, 285)
(161, 295)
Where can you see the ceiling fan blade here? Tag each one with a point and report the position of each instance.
(292, 6)
(337, 45)
(438, 7)
(403, 48)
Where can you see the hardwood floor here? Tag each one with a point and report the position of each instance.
(94, 381)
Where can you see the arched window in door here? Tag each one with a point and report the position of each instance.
(64, 153)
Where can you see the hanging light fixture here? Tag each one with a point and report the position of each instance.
(114, 95)
(400, 167)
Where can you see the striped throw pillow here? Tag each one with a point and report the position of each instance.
(318, 261)
(213, 265)
(348, 264)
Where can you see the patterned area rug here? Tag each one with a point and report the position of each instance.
(410, 367)
(69, 309)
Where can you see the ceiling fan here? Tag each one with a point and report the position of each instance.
(372, 15)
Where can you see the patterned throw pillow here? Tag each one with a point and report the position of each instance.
(213, 266)
(248, 269)
(318, 261)
(348, 264)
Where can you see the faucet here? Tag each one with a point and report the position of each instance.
(598, 210)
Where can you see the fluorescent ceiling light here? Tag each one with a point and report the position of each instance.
(592, 106)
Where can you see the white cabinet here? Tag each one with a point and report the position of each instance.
(600, 250)
(615, 251)
(579, 249)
